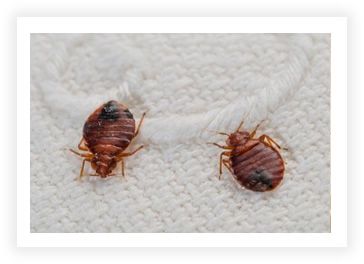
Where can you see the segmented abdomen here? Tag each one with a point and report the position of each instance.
(109, 129)
(259, 168)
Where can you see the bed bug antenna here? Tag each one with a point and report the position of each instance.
(245, 117)
(218, 132)
(240, 126)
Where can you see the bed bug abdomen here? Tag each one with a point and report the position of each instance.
(107, 132)
(259, 168)
(109, 129)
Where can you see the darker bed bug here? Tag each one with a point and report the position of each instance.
(255, 163)
(107, 132)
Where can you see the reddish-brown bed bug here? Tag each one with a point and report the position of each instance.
(255, 163)
(107, 132)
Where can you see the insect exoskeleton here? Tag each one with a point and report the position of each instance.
(255, 163)
(107, 132)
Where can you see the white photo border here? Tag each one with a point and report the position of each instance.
(336, 26)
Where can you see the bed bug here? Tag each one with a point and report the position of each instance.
(107, 132)
(255, 163)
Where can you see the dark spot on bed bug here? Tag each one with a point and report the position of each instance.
(255, 162)
(259, 180)
(128, 113)
(105, 141)
(110, 111)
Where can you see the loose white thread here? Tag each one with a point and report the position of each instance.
(181, 128)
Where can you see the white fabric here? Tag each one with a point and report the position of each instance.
(190, 85)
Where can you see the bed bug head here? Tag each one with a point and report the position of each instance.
(237, 138)
(103, 165)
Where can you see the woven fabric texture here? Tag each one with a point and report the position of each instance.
(190, 85)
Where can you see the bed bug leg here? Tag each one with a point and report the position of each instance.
(217, 145)
(87, 156)
(79, 178)
(140, 123)
(83, 155)
(82, 147)
(226, 163)
(224, 153)
(269, 141)
(130, 153)
(122, 167)
(133, 152)
(116, 175)
(82, 168)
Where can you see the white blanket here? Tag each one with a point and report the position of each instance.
(190, 85)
